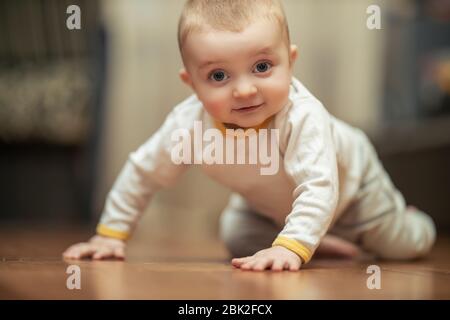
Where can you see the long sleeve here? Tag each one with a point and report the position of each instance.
(310, 160)
(147, 170)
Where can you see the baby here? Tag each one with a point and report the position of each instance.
(238, 60)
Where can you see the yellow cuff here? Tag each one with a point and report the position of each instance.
(108, 232)
(293, 245)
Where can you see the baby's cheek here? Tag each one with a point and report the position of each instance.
(215, 108)
(213, 99)
(279, 92)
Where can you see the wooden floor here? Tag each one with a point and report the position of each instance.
(31, 268)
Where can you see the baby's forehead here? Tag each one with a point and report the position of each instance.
(258, 37)
(256, 24)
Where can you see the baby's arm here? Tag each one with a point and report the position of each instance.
(310, 160)
(146, 171)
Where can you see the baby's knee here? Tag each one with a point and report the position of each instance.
(236, 245)
(239, 241)
(426, 235)
(402, 237)
(246, 233)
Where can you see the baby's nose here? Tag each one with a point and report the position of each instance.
(244, 90)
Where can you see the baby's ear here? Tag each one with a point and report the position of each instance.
(185, 77)
(293, 54)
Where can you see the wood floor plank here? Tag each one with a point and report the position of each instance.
(31, 268)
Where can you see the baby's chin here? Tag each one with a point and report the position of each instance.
(254, 120)
(248, 123)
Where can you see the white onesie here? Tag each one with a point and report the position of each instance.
(323, 164)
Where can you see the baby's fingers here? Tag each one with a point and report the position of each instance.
(249, 264)
(240, 261)
(119, 253)
(279, 265)
(79, 251)
(73, 248)
(262, 264)
(69, 253)
(294, 265)
(103, 253)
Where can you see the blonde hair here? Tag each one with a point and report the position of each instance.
(228, 15)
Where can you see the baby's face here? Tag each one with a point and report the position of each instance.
(242, 78)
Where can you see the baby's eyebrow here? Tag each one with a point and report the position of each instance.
(208, 63)
(265, 50)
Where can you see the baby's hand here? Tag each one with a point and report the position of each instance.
(276, 258)
(97, 248)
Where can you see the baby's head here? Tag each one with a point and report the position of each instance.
(237, 58)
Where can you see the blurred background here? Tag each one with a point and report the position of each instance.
(75, 103)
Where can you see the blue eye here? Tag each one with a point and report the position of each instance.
(262, 67)
(218, 75)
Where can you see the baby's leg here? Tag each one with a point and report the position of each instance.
(380, 221)
(407, 234)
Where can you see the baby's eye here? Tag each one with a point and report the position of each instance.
(262, 67)
(218, 75)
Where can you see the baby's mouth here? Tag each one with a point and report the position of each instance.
(249, 108)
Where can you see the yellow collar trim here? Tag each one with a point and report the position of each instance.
(246, 132)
